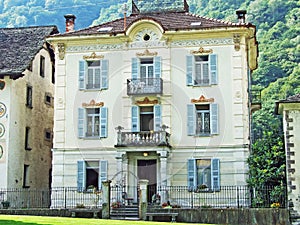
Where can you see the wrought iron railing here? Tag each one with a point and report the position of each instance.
(144, 86)
(143, 138)
(225, 197)
(255, 96)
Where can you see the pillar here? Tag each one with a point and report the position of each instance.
(106, 199)
(143, 203)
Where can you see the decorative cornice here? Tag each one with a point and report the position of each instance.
(93, 103)
(146, 53)
(61, 50)
(99, 47)
(213, 41)
(202, 99)
(202, 51)
(237, 41)
(93, 56)
(146, 101)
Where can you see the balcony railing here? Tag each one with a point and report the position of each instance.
(143, 138)
(144, 86)
(255, 99)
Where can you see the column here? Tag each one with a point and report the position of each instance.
(143, 203)
(106, 199)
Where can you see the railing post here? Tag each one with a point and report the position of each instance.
(119, 136)
(143, 203)
(106, 199)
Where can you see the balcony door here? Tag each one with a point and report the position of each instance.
(147, 170)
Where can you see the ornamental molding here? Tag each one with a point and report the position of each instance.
(2, 109)
(202, 99)
(147, 101)
(61, 51)
(202, 51)
(215, 41)
(93, 56)
(2, 130)
(84, 48)
(146, 53)
(93, 103)
(237, 42)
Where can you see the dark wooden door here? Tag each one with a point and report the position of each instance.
(147, 170)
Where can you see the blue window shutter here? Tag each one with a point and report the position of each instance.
(135, 123)
(215, 174)
(81, 116)
(157, 117)
(213, 68)
(134, 68)
(192, 174)
(157, 66)
(214, 119)
(189, 69)
(82, 65)
(103, 122)
(191, 120)
(104, 74)
(81, 176)
(102, 172)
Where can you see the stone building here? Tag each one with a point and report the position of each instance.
(26, 107)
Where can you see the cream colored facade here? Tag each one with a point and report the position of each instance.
(236, 52)
(290, 110)
(16, 116)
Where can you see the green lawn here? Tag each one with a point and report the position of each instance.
(35, 220)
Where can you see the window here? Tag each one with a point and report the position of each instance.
(91, 174)
(42, 66)
(48, 99)
(53, 74)
(29, 96)
(146, 69)
(93, 74)
(27, 138)
(202, 119)
(92, 122)
(201, 70)
(26, 176)
(48, 135)
(204, 174)
(146, 118)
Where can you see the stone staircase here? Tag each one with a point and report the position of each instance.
(294, 217)
(126, 212)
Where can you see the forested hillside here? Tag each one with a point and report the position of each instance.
(278, 32)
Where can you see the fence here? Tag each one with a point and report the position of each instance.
(180, 196)
(225, 197)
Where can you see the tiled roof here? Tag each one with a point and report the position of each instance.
(294, 98)
(168, 20)
(18, 47)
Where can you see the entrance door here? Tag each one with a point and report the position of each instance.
(147, 171)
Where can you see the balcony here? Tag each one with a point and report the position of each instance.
(143, 138)
(255, 98)
(144, 86)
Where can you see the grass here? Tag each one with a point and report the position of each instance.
(36, 220)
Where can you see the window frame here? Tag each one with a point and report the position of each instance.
(84, 74)
(27, 138)
(29, 94)
(191, 69)
(26, 176)
(42, 66)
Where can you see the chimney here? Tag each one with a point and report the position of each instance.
(70, 22)
(241, 14)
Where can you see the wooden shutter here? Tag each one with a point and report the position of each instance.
(189, 70)
(215, 174)
(214, 119)
(81, 175)
(81, 77)
(104, 74)
(135, 117)
(134, 68)
(157, 117)
(157, 67)
(102, 172)
(103, 122)
(192, 174)
(191, 120)
(81, 119)
(213, 68)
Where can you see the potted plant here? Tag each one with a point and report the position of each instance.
(5, 204)
(115, 205)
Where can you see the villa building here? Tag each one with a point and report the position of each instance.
(162, 96)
